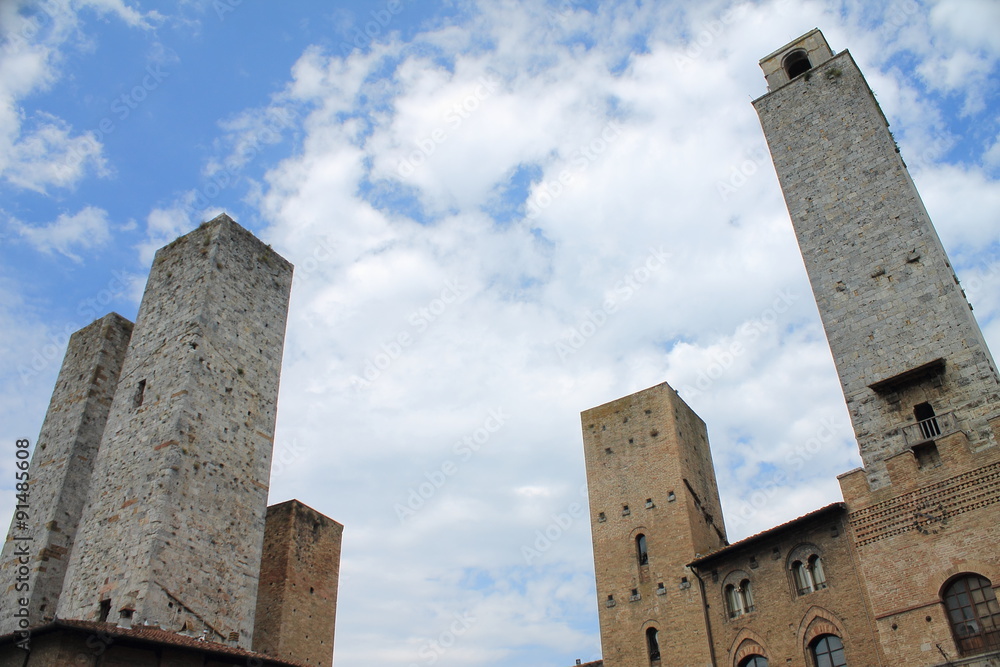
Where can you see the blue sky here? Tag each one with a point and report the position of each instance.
(529, 161)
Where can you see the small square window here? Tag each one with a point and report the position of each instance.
(625, 510)
(601, 518)
(927, 455)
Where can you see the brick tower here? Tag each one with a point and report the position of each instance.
(172, 534)
(654, 507)
(299, 574)
(920, 384)
(61, 466)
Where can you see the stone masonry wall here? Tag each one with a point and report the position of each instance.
(297, 594)
(175, 526)
(61, 466)
(650, 452)
(887, 294)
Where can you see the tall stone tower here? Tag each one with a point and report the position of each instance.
(911, 358)
(172, 533)
(920, 384)
(61, 466)
(654, 507)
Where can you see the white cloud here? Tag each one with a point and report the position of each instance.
(48, 153)
(531, 283)
(87, 229)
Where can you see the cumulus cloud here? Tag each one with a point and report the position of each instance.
(610, 218)
(87, 229)
(46, 152)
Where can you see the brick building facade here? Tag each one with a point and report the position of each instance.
(905, 570)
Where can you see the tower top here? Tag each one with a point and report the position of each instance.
(795, 58)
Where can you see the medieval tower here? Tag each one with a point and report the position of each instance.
(654, 504)
(63, 463)
(172, 532)
(905, 570)
(921, 386)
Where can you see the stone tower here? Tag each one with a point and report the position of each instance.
(61, 466)
(172, 533)
(920, 384)
(299, 574)
(654, 507)
(912, 361)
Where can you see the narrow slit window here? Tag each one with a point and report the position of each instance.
(140, 394)
(642, 553)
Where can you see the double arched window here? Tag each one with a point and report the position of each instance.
(973, 613)
(809, 574)
(828, 651)
(739, 598)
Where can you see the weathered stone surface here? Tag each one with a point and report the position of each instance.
(887, 294)
(61, 466)
(175, 519)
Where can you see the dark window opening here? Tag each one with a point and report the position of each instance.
(928, 423)
(754, 661)
(140, 392)
(653, 644)
(641, 552)
(974, 614)
(795, 63)
(927, 455)
(104, 611)
(828, 651)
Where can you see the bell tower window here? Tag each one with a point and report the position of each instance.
(795, 63)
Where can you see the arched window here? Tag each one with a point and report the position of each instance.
(653, 644)
(828, 651)
(795, 63)
(809, 576)
(754, 661)
(733, 603)
(973, 613)
(816, 569)
(640, 549)
(739, 599)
